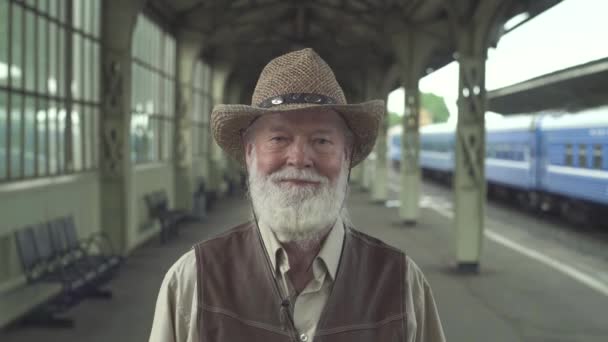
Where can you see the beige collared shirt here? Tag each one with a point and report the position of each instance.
(308, 305)
(175, 318)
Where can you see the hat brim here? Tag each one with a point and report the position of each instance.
(228, 122)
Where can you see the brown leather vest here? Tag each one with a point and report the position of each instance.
(238, 300)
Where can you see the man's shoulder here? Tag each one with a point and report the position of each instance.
(226, 235)
(413, 271)
(372, 241)
(183, 270)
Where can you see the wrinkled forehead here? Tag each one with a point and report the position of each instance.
(301, 122)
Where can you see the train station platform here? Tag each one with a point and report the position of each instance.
(515, 297)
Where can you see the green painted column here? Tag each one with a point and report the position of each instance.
(377, 88)
(413, 55)
(189, 45)
(410, 148)
(368, 173)
(118, 22)
(379, 187)
(234, 169)
(469, 174)
(473, 38)
(217, 158)
(356, 176)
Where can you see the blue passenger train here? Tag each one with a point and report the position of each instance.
(547, 161)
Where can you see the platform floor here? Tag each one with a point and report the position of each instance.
(514, 298)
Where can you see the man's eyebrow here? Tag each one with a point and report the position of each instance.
(282, 128)
(277, 128)
(325, 131)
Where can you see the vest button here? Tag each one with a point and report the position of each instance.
(303, 337)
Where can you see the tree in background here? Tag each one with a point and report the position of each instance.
(394, 119)
(431, 103)
(436, 106)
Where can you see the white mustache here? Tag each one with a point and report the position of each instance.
(305, 175)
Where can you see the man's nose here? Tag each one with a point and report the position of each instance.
(299, 154)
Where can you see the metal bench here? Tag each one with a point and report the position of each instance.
(40, 273)
(52, 268)
(24, 300)
(169, 219)
(54, 258)
(94, 252)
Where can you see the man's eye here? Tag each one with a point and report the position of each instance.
(277, 139)
(322, 141)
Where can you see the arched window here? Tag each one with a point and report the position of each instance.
(49, 87)
(153, 92)
(201, 109)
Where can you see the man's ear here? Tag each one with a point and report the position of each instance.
(248, 152)
(348, 152)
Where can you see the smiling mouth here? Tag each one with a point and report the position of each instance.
(298, 182)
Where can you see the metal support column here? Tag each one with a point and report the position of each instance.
(413, 55)
(368, 173)
(218, 160)
(410, 147)
(118, 23)
(188, 48)
(380, 184)
(469, 173)
(473, 40)
(233, 168)
(378, 87)
(356, 175)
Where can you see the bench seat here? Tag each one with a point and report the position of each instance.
(20, 301)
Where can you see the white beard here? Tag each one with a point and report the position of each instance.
(297, 213)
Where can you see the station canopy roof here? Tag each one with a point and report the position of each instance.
(351, 35)
(578, 87)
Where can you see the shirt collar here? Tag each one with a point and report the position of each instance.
(330, 251)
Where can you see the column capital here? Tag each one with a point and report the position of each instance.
(475, 32)
(118, 22)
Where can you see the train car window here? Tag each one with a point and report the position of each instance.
(568, 160)
(597, 156)
(582, 155)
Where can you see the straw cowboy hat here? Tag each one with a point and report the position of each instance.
(297, 81)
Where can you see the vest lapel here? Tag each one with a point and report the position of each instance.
(237, 296)
(367, 299)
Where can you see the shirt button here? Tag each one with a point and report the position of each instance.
(303, 337)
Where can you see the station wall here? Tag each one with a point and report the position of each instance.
(36, 201)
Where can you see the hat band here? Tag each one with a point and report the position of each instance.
(296, 98)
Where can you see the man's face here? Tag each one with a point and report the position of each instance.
(298, 168)
(314, 141)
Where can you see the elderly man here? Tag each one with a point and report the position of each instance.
(298, 271)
